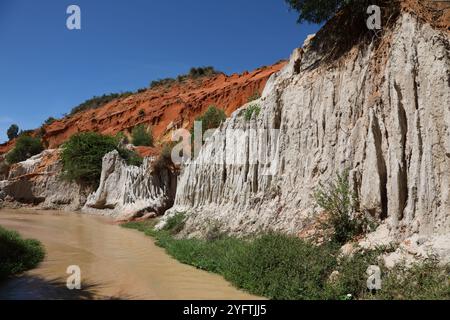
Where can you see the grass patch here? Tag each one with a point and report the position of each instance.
(18, 255)
(283, 267)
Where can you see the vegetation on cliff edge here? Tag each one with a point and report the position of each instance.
(83, 154)
(25, 148)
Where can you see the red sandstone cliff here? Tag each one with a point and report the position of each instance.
(164, 107)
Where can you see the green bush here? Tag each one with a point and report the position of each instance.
(25, 148)
(18, 255)
(194, 73)
(13, 131)
(83, 153)
(130, 157)
(252, 109)
(49, 121)
(142, 136)
(97, 102)
(317, 11)
(175, 224)
(282, 267)
(425, 281)
(340, 203)
(211, 119)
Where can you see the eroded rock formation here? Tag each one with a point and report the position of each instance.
(38, 182)
(382, 111)
(128, 192)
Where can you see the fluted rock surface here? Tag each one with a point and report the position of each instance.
(127, 192)
(383, 112)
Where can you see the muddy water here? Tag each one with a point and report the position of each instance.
(115, 262)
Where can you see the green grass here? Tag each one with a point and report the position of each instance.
(18, 255)
(287, 268)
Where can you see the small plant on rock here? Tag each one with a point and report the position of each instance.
(252, 109)
(340, 203)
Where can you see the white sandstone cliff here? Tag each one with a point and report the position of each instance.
(37, 181)
(127, 192)
(383, 112)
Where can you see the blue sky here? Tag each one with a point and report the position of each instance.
(46, 69)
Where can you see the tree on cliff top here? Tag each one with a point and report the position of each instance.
(317, 11)
(13, 131)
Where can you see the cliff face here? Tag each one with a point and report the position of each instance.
(129, 192)
(163, 107)
(37, 182)
(382, 111)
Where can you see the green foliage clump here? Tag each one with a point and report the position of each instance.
(317, 11)
(175, 223)
(340, 203)
(97, 102)
(282, 267)
(83, 153)
(252, 109)
(142, 136)
(425, 281)
(131, 157)
(25, 148)
(194, 73)
(18, 255)
(49, 121)
(211, 119)
(13, 131)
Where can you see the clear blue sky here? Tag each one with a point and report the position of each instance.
(46, 69)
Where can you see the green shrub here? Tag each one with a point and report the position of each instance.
(317, 11)
(252, 109)
(25, 148)
(425, 281)
(49, 121)
(142, 136)
(13, 131)
(211, 119)
(340, 203)
(132, 158)
(83, 153)
(97, 102)
(18, 255)
(82, 156)
(175, 224)
(194, 73)
(282, 267)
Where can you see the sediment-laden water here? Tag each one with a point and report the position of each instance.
(115, 263)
